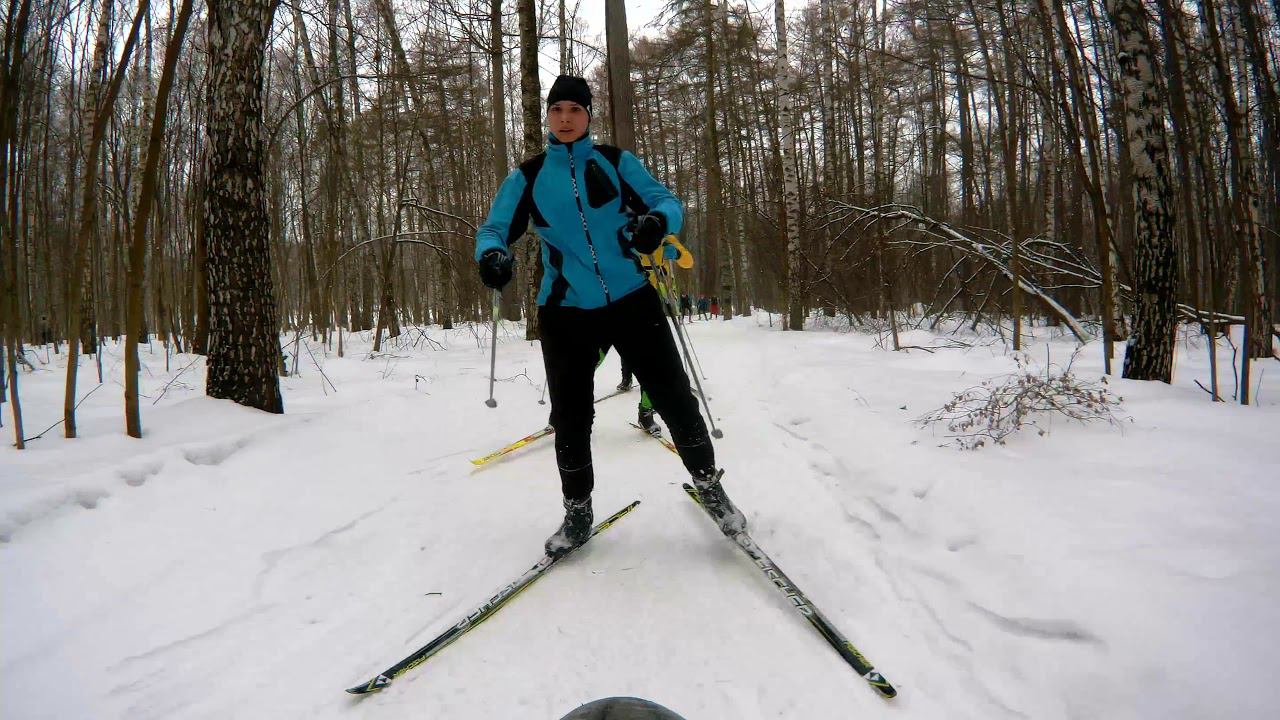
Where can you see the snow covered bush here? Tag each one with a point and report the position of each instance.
(1002, 406)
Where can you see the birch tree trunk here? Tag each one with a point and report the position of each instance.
(790, 182)
(244, 350)
(531, 110)
(1150, 349)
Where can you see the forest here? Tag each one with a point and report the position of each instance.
(224, 176)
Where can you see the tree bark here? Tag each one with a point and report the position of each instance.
(531, 111)
(1150, 349)
(622, 101)
(790, 183)
(244, 349)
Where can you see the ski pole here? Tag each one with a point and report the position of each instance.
(696, 359)
(674, 288)
(666, 288)
(493, 351)
(691, 358)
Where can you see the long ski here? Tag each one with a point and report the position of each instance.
(530, 438)
(480, 614)
(851, 655)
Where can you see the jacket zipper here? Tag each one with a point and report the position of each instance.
(577, 198)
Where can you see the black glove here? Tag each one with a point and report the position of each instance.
(495, 269)
(647, 232)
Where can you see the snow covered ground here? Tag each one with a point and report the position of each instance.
(238, 564)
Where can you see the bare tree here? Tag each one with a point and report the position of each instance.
(142, 217)
(14, 56)
(101, 102)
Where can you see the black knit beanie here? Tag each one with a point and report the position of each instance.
(569, 87)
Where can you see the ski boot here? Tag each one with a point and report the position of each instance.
(575, 529)
(645, 418)
(712, 495)
(625, 385)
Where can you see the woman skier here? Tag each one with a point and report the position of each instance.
(594, 294)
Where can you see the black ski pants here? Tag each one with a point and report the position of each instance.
(636, 327)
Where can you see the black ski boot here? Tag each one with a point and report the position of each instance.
(625, 385)
(645, 418)
(575, 529)
(712, 495)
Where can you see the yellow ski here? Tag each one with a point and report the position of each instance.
(514, 446)
(531, 438)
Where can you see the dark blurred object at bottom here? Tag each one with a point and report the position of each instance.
(622, 708)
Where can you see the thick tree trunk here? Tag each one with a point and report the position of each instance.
(1150, 350)
(244, 349)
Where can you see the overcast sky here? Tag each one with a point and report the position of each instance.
(639, 14)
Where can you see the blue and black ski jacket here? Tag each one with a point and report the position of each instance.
(578, 195)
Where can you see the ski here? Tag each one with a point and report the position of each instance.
(480, 614)
(615, 393)
(530, 438)
(851, 655)
(548, 430)
(659, 437)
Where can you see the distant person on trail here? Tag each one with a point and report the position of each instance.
(686, 307)
(595, 207)
(703, 304)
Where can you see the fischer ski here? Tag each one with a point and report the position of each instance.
(530, 438)
(481, 613)
(851, 655)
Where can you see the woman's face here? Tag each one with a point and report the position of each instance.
(567, 120)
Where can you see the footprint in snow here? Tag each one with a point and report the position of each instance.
(213, 453)
(138, 475)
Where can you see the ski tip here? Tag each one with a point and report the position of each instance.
(372, 686)
(881, 685)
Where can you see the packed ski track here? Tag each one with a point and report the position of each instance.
(237, 564)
